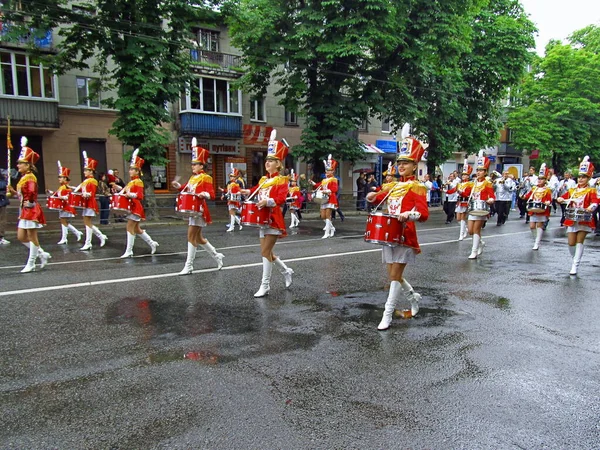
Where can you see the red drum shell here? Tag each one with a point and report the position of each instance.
(384, 229)
(537, 207)
(120, 202)
(252, 216)
(76, 200)
(188, 204)
(55, 203)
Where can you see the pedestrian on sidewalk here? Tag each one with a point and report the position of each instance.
(271, 191)
(4, 202)
(134, 190)
(31, 216)
(200, 185)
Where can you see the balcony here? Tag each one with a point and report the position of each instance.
(43, 41)
(505, 149)
(216, 63)
(29, 113)
(210, 125)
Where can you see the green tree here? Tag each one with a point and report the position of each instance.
(558, 105)
(138, 48)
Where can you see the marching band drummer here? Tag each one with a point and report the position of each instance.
(233, 195)
(272, 192)
(482, 190)
(134, 190)
(295, 196)
(88, 189)
(582, 197)
(328, 186)
(31, 216)
(463, 190)
(201, 185)
(540, 193)
(407, 200)
(67, 212)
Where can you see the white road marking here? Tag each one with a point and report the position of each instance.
(235, 267)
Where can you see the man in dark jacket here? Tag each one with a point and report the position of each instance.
(3, 204)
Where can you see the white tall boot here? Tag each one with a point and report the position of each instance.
(148, 240)
(238, 221)
(412, 297)
(538, 238)
(331, 229)
(463, 230)
(218, 257)
(576, 258)
(129, 250)
(75, 231)
(328, 227)
(231, 224)
(189, 262)
(572, 251)
(480, 246)
(390, 305)
(285, 271)
(265, 285)
(475, 247)
(44, 257)
(88, 239)
(64, 232)
(99, 235)
(33, 254)
(292, 220)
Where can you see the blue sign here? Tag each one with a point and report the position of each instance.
(492, 158)
(386, 146)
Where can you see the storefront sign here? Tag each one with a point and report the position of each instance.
(256, 134)
(215, 147)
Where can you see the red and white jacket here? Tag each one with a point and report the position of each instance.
(27, 190)
(275, 187)
(197, 184)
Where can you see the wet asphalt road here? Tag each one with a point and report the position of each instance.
(99, 352)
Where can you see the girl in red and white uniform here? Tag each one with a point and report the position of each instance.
(462, 203)
(134, 190)
(540, 193)
(406, 199)
(271, 191)
(329, 186)
(201, 185)
(483, 189)
(582, 198)
(234, 199)
(88, 188)
(295, 196)
(31, 216)
(67, 212)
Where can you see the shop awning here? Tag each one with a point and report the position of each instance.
(370, 148)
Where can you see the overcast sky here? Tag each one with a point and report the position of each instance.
(557, 19)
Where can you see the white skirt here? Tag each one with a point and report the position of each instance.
(536, 219)
(460, 209)
(88, 212)
(577, 227)
(268, 230)
(29, 225)
(197, 221)
(328, 206)
(65, 215)
(399, 254)
(134, 217)
(230, 207)
(472, 217)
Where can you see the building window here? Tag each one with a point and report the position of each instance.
(212, 95)
(88, 92)
(257, 110)
(19, 76)
(386, 125)
(291, 118)
(208, 40)
(364, 126)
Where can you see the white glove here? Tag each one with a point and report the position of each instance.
(206, 195)
(64, 197)
(131, 195)
(413, 216)
(86, 195)
(270, 203)
(176, 185)
(28, 204)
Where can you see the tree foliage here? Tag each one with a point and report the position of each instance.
(442, 66)
(558, 105)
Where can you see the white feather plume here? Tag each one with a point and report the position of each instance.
(389, 167)
(59, 167)
(466, 163)
(586, 158)
(480, 154)
(84, 153)
(194, 142)
(24, 141)
(405, 131)
(273, 135)
(134, 155)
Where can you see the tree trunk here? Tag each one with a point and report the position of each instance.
(149, 196)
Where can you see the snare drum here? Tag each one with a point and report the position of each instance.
(384, 229)
(537, 207)
(235, 197)
(189, 204)
(76, 200)
(54, 203)
(320, 197)
(578, 215)
(120, 202)
(252, 216)
(479, 208)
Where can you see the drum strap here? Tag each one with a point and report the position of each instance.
(257, 189)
